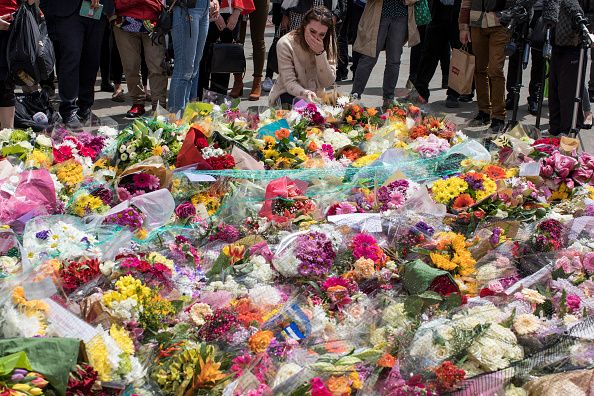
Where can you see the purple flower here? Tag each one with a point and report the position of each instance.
(43, 235)
(474, 183)
(226, 233)
(424, 228)
(316, 254)
(129, 218)
(185, 210)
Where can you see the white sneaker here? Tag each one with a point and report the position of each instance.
(267, 84)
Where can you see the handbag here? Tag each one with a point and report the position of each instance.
(164, 24)
(462, 65)
(227, 58)
(422, 13)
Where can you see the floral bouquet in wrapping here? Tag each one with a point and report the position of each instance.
(281, 152)
(145, 138)
(94, 198)
(562, 173)
(463, 192)
(285, 201)
(356, 115)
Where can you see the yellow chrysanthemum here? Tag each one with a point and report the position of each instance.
(99, 357)
(155, 257)
(445, 190)
(122, 338)
(489, 188)
(365, 160)
(69, 173)
(39, 159)
(86, 204)
(299, 153)
(126, 287)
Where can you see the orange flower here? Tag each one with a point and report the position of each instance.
(434, 124)
(349, 119)
(209, 374)
(371, 111)
(463, 201)
(259, 342)
(235, 252)
(494, 172)
(282, 133)
(418, 131)
(356, 108)
(312, 146)
(339, 386)
(387, 361)
(368, 135)
(247, 313)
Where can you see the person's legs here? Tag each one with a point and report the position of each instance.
(415, 54)
(342, 70)
(186, 50)
(512, 69)
(535, 75)
(366, 63)
(117, 69)
(498, 38)
(258, 21)
(154, 55)
(567, 76)
(70, 33)
(7, 99)
(557, 62)
(105, 62)
(204, 75)
(591, 82)
(130, 45)
(395, 40)
(480, 48)
(91, 54)
(435, 40)
(201, 16)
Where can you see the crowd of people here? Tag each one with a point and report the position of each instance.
(310, 52)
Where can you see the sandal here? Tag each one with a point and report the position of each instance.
(118, 96)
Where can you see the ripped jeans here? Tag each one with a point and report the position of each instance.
(189, 30)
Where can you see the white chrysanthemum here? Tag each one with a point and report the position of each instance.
(126, 310)
(337, 140)
(262, 272)
(533, 296)
(285, 372)
(287, 264)
(496, 348)
(264, 296)
(43, 140)
(5, 135)
(9, 265)
(14, 324)
(26, 145)
(108, 131)
(526, 324)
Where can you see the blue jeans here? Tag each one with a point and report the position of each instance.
(190, 27)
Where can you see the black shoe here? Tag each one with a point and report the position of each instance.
(72, 121)
(497, 125)
(444, 82)
(452, 102)
(509, 103)
(83, 114)
(532, 106)
(341, 76)
(466, 98)
(107, 87)
(481, 119)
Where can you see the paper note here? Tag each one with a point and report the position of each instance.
(530, 169)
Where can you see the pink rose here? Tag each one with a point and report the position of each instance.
(546, 170)
(573, 302)
(564, 164)
(495, 286)
(564, 263)
(185, 210)
(586, 160)
(588, 262)
(582, 175)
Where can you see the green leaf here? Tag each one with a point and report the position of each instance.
(413, 305)
(559, 273)
(221, 263)
(14, 361)
(509, 321)
(452, 301)
(431, 297)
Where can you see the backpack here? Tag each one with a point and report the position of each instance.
(30, 52)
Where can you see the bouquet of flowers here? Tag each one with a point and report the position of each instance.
(462, 192)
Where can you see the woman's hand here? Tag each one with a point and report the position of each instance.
(5, 21)
(220, 23)
(310, 96)
(232, 21)
(464, 37)
(316, 45)
(214, 9)
(285, 23)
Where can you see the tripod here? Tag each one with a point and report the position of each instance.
(546, 54)
(577, 100)
(524, 52)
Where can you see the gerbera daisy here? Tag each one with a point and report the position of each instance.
(462, 202)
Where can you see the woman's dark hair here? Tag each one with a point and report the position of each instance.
(326, 18)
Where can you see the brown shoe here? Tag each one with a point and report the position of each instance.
(256, 89)
(237, 90)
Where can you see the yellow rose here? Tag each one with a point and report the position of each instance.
(339, 386)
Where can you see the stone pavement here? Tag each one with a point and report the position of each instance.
(111, 112)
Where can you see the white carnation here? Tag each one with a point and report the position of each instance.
(43, 140)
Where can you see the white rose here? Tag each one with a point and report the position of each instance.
(124, 157)
(133, 156)
(106, 267)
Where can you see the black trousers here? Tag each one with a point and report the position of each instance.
(535, 69)
(216, 82)
(111, 63)
(347, 34)
(79, 47)
(562, 83)
(271, 60)
(440, 35)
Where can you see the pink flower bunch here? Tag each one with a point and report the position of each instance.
(573, 262)
(258, 367)
(430, 146)
(311, 113)
(569, 170)
(366, 246)
(318, 388)
(130, 218)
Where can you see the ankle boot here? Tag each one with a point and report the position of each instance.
(256, 89)
(237, 90)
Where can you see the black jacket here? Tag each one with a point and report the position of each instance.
(566, 34)
(305, 5)
(64, 8)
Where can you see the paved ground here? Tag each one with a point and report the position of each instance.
(112, 112)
